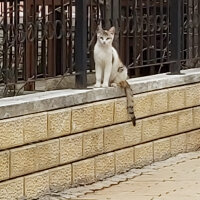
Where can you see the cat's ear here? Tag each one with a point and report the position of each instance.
(99, 28)
(112, 30)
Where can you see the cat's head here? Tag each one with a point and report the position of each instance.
(105, 37)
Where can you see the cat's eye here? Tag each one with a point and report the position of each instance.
(101, 38)
(107, 38)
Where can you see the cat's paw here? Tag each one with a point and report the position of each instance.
(114, 85)
(97, 85)
(105, 85)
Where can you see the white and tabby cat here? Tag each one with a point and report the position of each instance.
(110, 71)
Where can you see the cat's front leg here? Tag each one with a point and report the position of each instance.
(107, 73)
(98, 74)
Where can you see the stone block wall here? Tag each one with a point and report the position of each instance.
(81, 144)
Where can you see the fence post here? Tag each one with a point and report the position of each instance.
(175, 19)
(115, 19)
(81, 43)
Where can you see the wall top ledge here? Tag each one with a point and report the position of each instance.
(51, 100)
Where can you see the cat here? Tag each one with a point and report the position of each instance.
(110, 71)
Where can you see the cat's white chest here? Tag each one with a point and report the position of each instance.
(102, 55)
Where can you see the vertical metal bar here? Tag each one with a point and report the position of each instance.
(121, 38)
(127, 34)
(16, 40)
(198, 29)
(5, 36)
(51, 64)
(81, 43)
(35, 42)
(115, 17)
(104, 15)
(25, 42)
(112, 12)
(193, 30)
(43, 58)
(161, 31)
(188, 30)
(193, 33)
(67, 14)
(63, 46)
(184, 34)
(135, 47)
(134, 32)
(29, 47)
(11, 24)
(98, 13)
(148, 32)
(141, 33)
(154, 53)
(175, 17)
(90, 20)
(168, 29)
(92, 32)
(70, 49)
(54, 41)
(107, 13)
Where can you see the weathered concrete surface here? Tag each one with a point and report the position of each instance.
(45, 101)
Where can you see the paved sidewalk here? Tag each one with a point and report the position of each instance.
(161, 181)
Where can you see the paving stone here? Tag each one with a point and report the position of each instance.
(169, 180)
(175, 178)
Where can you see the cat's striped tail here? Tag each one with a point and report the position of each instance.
(130, 104)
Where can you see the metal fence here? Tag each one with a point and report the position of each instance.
(42, 39)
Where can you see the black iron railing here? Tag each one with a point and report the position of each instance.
(42, 39)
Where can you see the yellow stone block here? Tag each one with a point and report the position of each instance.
(143, 105)
(60, 178)
(192, 94)
(132, 134)
(143, 154)
(36, 184)
(176, 98)
(82, 118)
(151, 128)
(120, 111)
(196, 116)
(11, 133)
(113, 138)
(159, 102)
(71, 148)
(4, 165)
(12, 190)
(59, 123)
(93, 142)
(193, 141)
(124, 160)
(162, 149)
(47, 154)
(185, 120)
(83, 172)
(169, 124)
(105, 166)
(23, 160)
(178, 144)
(103, 113)
(33, 158)
(35, 127)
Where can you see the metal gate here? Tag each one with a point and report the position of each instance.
(42, 39)
(155, 36)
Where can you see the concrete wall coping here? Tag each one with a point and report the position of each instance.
(51, 100)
